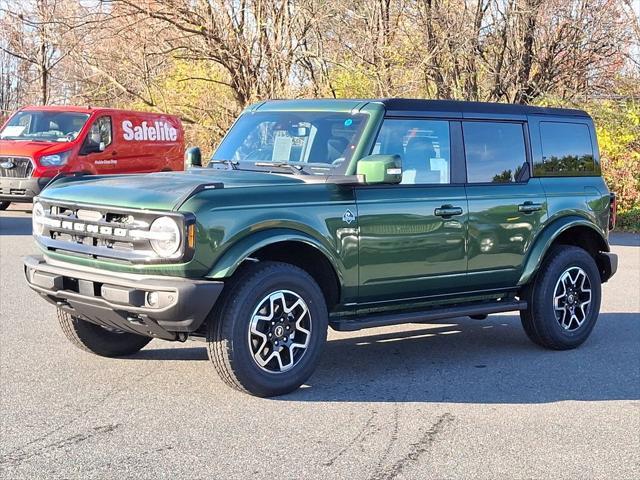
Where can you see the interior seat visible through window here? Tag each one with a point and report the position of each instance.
(423, 146)
(417, 162)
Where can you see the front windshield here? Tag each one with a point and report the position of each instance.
(44, 126)
(320, 142)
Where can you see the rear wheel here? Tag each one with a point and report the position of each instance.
(267, 331)
(100, 340)
(564, 299)
(4, 205)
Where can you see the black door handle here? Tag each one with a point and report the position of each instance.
(447, 211)
(529, 207)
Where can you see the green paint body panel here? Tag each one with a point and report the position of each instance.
(394, 254)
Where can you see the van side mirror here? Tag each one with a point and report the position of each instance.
(380, 169)
(193, 157)
(90, 147)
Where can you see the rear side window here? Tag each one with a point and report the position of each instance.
(566, 150)
(495, 151)
(423, 146)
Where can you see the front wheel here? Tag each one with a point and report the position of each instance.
(4, 205)
(267, 331)
(102, 341)
(564, 300)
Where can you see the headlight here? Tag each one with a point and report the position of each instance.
(165, 236)
(37, 218)
(55, 160)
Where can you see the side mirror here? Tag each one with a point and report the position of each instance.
(90, 147)
(380, 169)
(193, 157)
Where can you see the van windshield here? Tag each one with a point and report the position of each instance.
(319, 142)
(44, 126)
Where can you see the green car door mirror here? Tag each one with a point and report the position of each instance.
(193, 157)
(380, 169)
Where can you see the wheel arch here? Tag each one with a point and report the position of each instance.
(571, 230)
(288, 246)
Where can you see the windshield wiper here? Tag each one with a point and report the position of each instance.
(295, 169)
(232, 164)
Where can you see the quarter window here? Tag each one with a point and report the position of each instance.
(423, 146)
(566, 150)
(495, 151)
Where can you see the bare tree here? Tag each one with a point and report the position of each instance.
(39, 33)
(254, 41)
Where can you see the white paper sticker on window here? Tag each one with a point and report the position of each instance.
(281, 148)
(13, 131)
(441, 165)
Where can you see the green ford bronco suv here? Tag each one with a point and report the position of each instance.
(342, 213)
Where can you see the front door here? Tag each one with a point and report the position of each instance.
(101, 133)
(412, 236)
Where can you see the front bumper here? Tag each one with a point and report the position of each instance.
(21, 189)
(122, 301)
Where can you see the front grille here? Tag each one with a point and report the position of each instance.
(20, 192)
(100, 232)
(15, 167)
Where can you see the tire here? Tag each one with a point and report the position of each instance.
(562, 328)
(4, 205)
(241, 329)
(99, 340)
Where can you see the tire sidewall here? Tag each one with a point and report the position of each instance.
(244, 303)
(571, 257)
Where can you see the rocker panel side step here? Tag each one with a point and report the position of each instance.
(424, 316)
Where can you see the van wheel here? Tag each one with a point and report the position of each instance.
(4, 205)
(564, 299)
(266, 333)
(99, 340)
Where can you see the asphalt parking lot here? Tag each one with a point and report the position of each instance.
(462, 399)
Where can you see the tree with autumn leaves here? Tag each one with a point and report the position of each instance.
(205, 60)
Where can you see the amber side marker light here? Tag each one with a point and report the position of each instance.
(191, 236)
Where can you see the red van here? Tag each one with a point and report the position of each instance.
(38, 143)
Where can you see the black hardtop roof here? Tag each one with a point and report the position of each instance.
(416, 105)
(400, 105)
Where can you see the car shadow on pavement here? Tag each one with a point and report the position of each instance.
(467, 361)
(10, 225)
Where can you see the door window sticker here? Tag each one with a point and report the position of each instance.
(281, 148)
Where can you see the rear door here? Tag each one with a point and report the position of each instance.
(506, 206)
(147, 141)
(412, 235)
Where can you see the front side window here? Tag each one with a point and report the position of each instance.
(100, 132)
(322, 141)
(423, 146)
(495, 151)
(44, 126)
(566, 150)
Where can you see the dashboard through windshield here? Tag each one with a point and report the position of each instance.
(44, 126)
(320, 142)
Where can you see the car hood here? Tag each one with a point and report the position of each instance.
(19, 148)
(156, 191)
